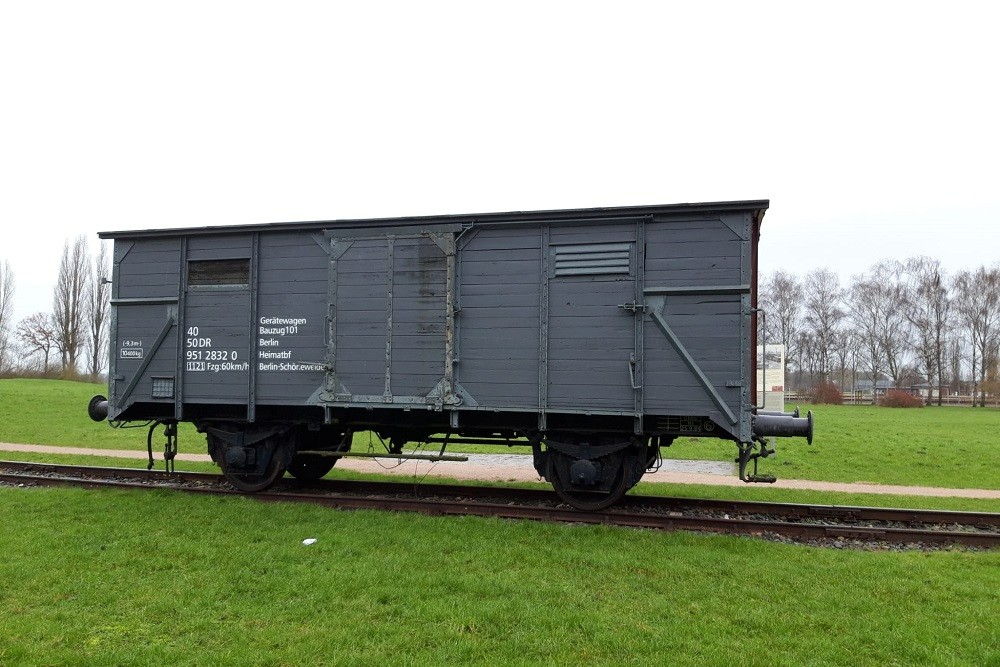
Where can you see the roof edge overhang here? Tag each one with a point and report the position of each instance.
(758, 206)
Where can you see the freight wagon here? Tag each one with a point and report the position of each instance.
(595, 336)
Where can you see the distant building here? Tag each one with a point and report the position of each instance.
(864, 387)
(924, 390)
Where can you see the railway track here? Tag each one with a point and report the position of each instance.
(819, 524)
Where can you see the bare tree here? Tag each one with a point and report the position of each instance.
(805, 343)
(894, 330)
(782, 301)
(69, 302)
(98, 311)
(824, 313)
(844, 349)
(956, 358)
(876, 300)
(6, 314)
(927, 306)
(37, 333)
(865, 306)
(978, 304)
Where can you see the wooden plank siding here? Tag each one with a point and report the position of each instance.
(518, 322)
(694, 253)
(498, 325)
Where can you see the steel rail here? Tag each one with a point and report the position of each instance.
(476, 501)
(424, 489)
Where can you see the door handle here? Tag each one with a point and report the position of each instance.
(631, 371)
(633, 307)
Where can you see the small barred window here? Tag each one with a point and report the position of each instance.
(219, 272)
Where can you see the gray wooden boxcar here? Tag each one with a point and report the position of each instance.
(597, 335)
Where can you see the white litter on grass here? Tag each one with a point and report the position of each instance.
(309, 540)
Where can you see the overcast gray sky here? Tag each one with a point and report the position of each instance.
(871, 127)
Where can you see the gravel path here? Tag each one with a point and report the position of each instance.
(518, 468)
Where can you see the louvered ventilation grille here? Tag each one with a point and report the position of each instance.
(592, 260)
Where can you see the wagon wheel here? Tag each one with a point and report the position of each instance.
(310, 467)
(582, 498)
(251, 483)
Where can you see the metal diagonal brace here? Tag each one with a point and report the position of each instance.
(693, 366)
(171, 321)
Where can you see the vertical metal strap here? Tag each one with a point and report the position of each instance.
(331, 324)
(387, 393)
(337, 247)
(747, 374)
(447, 243)
(640, 323)
(449, 315)
(120, 251)
(254, 288)
(543, 332)
(182, 283)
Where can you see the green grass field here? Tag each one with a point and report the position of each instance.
(946, 447)
(115, 578)
(54, 412)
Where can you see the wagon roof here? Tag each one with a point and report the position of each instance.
(511, 217)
